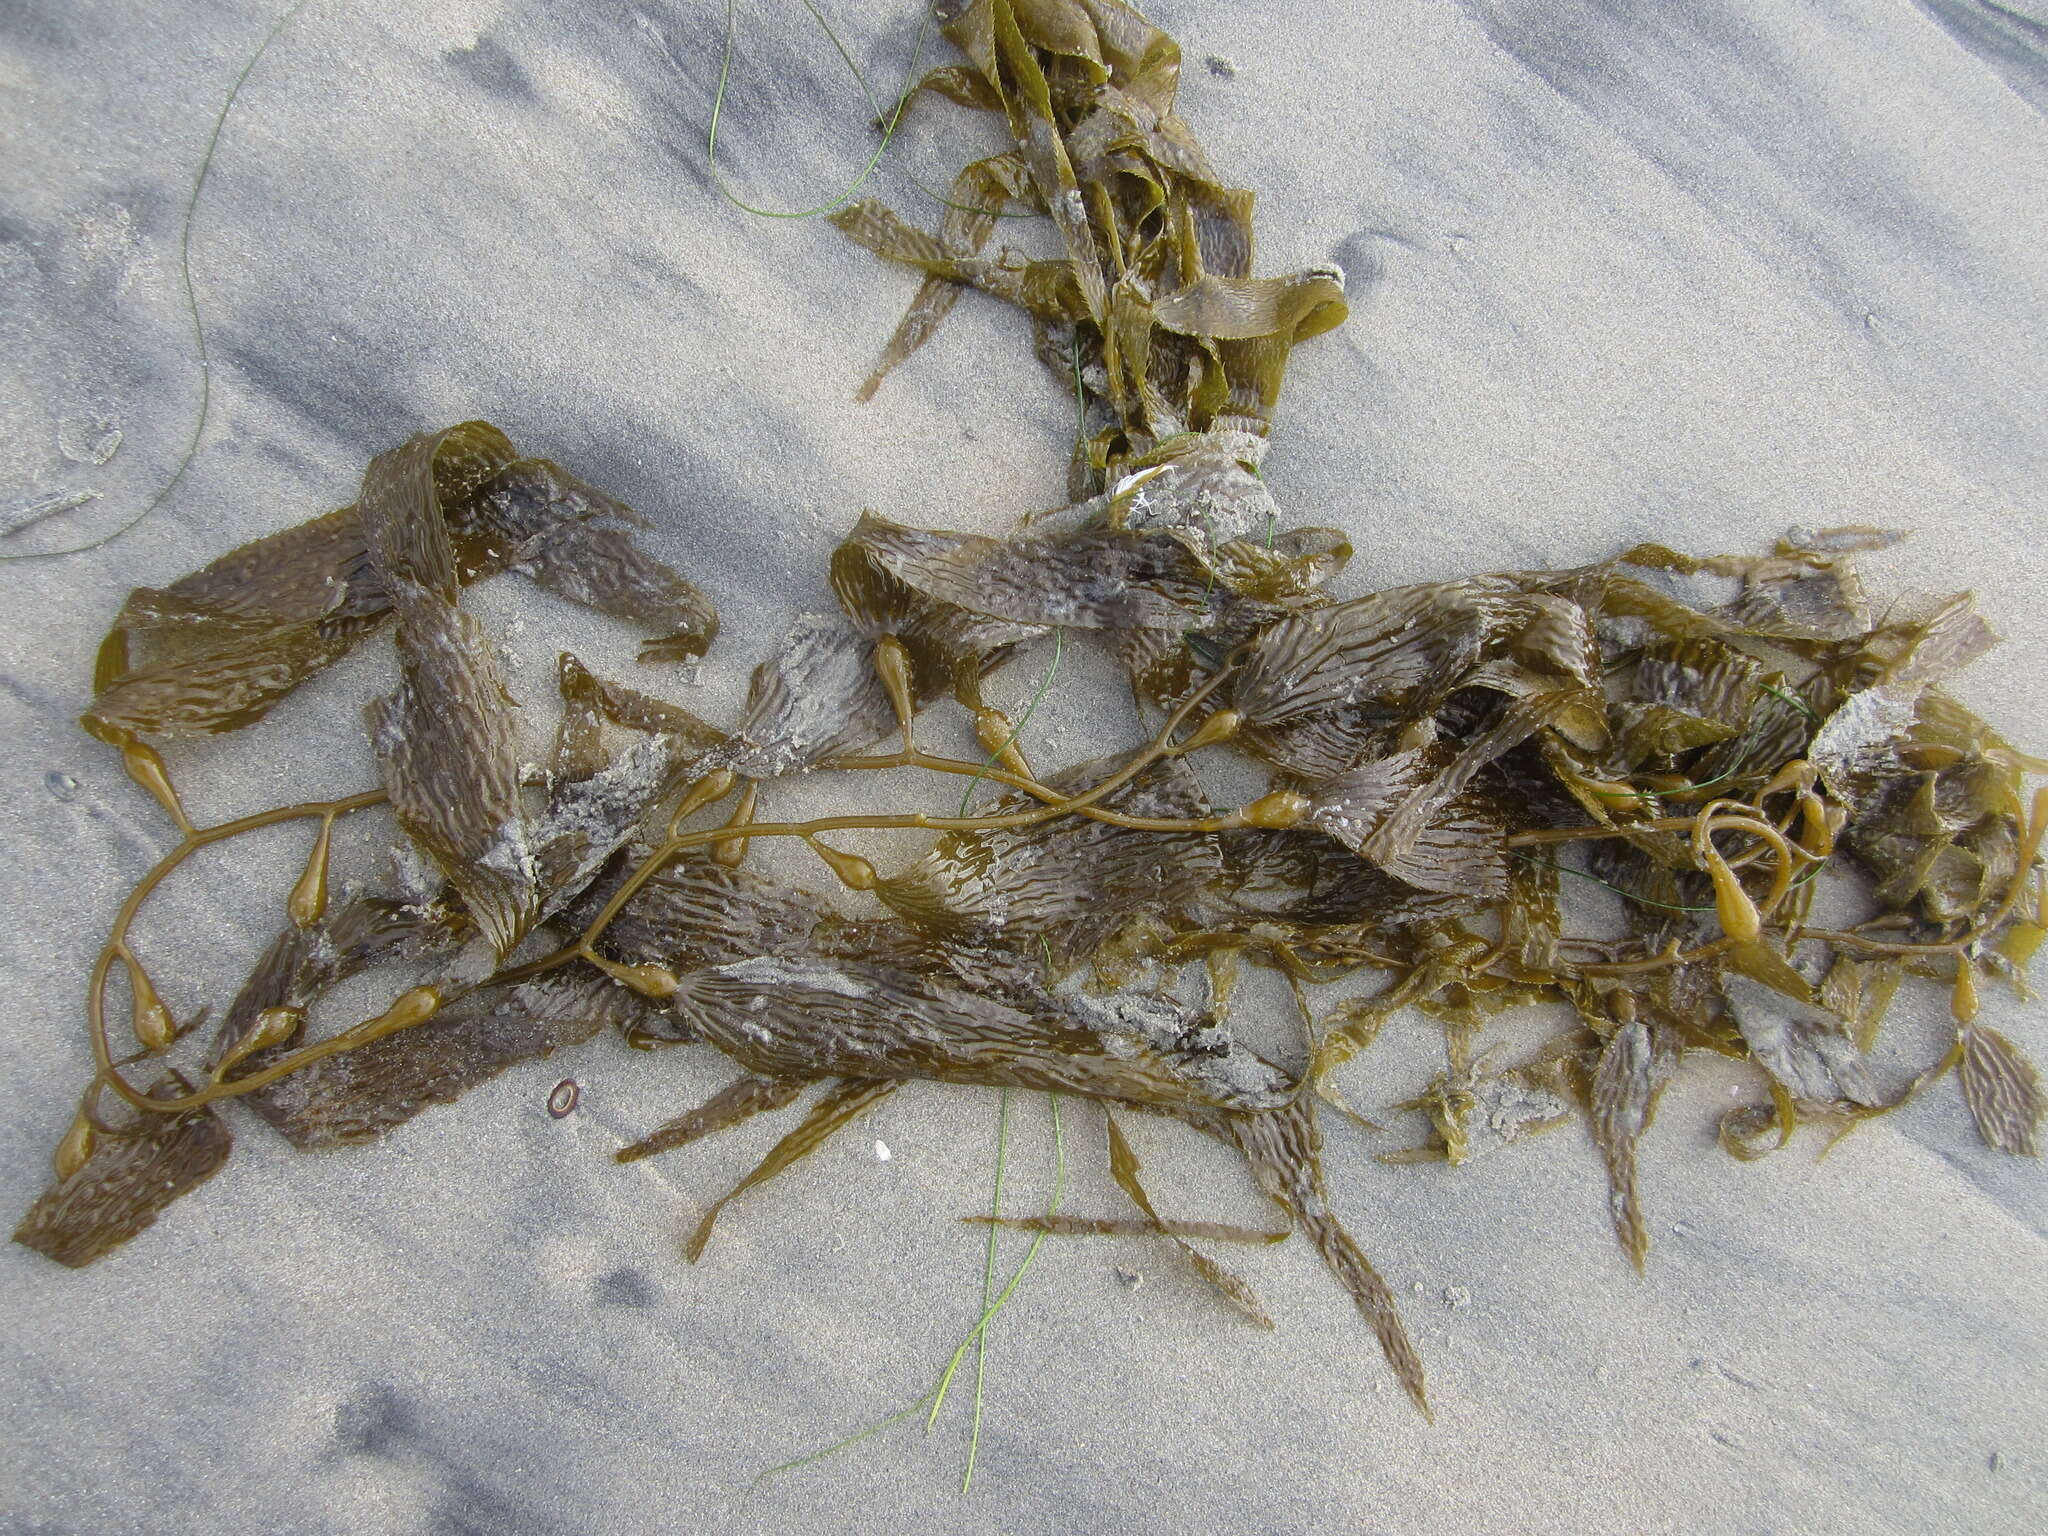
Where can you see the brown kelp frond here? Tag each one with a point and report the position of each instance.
(588, 820)
(305, 962)
(785, 1017)
(637, 711)
(817, 697)
(1634, 1066)
(358, 1095)
(838, 1106)
(1095, 578)
(1622, 787)
(950, 647)
(1284, 1150)
(216, 650)
(444, 741)
(1075, 881)
(2002, 1090)
(980, 193)
(739, 1100)
(697, 913)
(118, 1184)
(1808, 1051)
(1124, 1167)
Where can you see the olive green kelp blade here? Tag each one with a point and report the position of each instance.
(1151, 312)
(1284, 1149)
(1073, 881)
(794, 1017)
(819, 696)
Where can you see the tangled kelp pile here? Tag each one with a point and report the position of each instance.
(1437, 760)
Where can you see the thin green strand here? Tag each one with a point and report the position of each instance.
(1799, 704)
(937, 1395)
(873, 161)
(1059, 647)
(988, 1282)
(1052, 1207)
(1566, 869)
(191, 308)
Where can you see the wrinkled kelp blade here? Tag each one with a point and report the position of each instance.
(1306, 878)
(950, 647)
(1402, 652)
(794, 1017)
(360, 1094)
(1624, 1091)
(127, 1181)
(444, 741)
(590, 819)
(603, 568)
(1284, 1150)
(1095, 578)
(980, 192)
(1009, 968)
(696, 914)
(817, 697)
(216, 650)
(1073, 880)
(579, 750)
(2002, 1090)
(638, 711)
(1807, 1050)
(232, 683)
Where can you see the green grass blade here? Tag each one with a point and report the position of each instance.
(873, 161)
(191, 308)
(988, 1286)
(1059, 649)
(988, 1315)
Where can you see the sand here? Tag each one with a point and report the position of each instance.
(1696, 272)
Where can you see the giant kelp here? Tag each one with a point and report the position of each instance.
(1442, 764)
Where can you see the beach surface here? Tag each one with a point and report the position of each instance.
(1693, 273)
